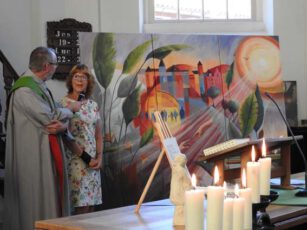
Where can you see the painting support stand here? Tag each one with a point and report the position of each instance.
(164, 135)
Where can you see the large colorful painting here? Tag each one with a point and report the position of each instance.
(207, 88)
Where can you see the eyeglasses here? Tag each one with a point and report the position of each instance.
(80, 77)
(53, 63)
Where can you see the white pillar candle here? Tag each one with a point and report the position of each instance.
(246, 193)
(238, 211)
(228, 213)
(215, 202)
(265, 171)
(194, 208)
(253, 177)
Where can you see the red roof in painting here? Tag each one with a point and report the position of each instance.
(179, 68)
(222, 68)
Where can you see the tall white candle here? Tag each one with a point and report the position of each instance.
(253, 177)
(228, 210)
(194, 208)
(246, 193)
(238, 211)
(265, 171)
(215, 201)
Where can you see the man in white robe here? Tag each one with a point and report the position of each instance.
(32, 189)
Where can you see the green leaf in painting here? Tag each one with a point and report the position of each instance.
(126, 86)
(104, 58)
(131, 106)
(260, 114)
(134, 57)
(163, 51)
(147, 136)
(229, 75)
(248, 115)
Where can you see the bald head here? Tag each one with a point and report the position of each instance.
(40, 56)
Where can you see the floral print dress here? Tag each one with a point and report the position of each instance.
(85, 183)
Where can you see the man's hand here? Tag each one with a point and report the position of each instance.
(75, 106)
(56, 126)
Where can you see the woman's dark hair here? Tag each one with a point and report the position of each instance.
(81, 68)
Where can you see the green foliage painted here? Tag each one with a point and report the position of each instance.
(126, 86)
(229, 75)
(260, 115)
(147, 137)
(135, 56)
(131, 106)
(104, 58)
(248, 115)
(163, 51)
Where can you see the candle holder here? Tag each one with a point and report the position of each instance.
(262, 220)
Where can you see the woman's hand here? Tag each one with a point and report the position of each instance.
(98, 162)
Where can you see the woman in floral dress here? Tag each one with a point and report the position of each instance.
(85, 126)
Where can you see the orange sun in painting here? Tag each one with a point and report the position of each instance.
(161, 101)
(258, 61)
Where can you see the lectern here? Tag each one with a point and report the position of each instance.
(282, 170)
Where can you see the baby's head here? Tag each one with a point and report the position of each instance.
(180, 159)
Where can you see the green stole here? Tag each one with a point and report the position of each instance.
(34, 86)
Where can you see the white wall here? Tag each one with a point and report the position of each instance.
(15, 37)
(290, 24)
(268, 16)
(23, 27)
(121, 16)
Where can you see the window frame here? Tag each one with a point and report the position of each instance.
(234, 26)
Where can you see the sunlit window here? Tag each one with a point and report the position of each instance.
(181, 10)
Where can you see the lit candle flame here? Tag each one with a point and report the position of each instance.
(263, 148)
(194, 180)
(216, 175)
(253, 154)
(236, 190)
(244, 178)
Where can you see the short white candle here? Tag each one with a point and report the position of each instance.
(253, 177)
(215, 201)
(265, 171)
(194, 208)
(228, 211)
(238, 211)
(246, 193)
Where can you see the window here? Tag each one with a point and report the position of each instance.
(208, 16)
(180, 10)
